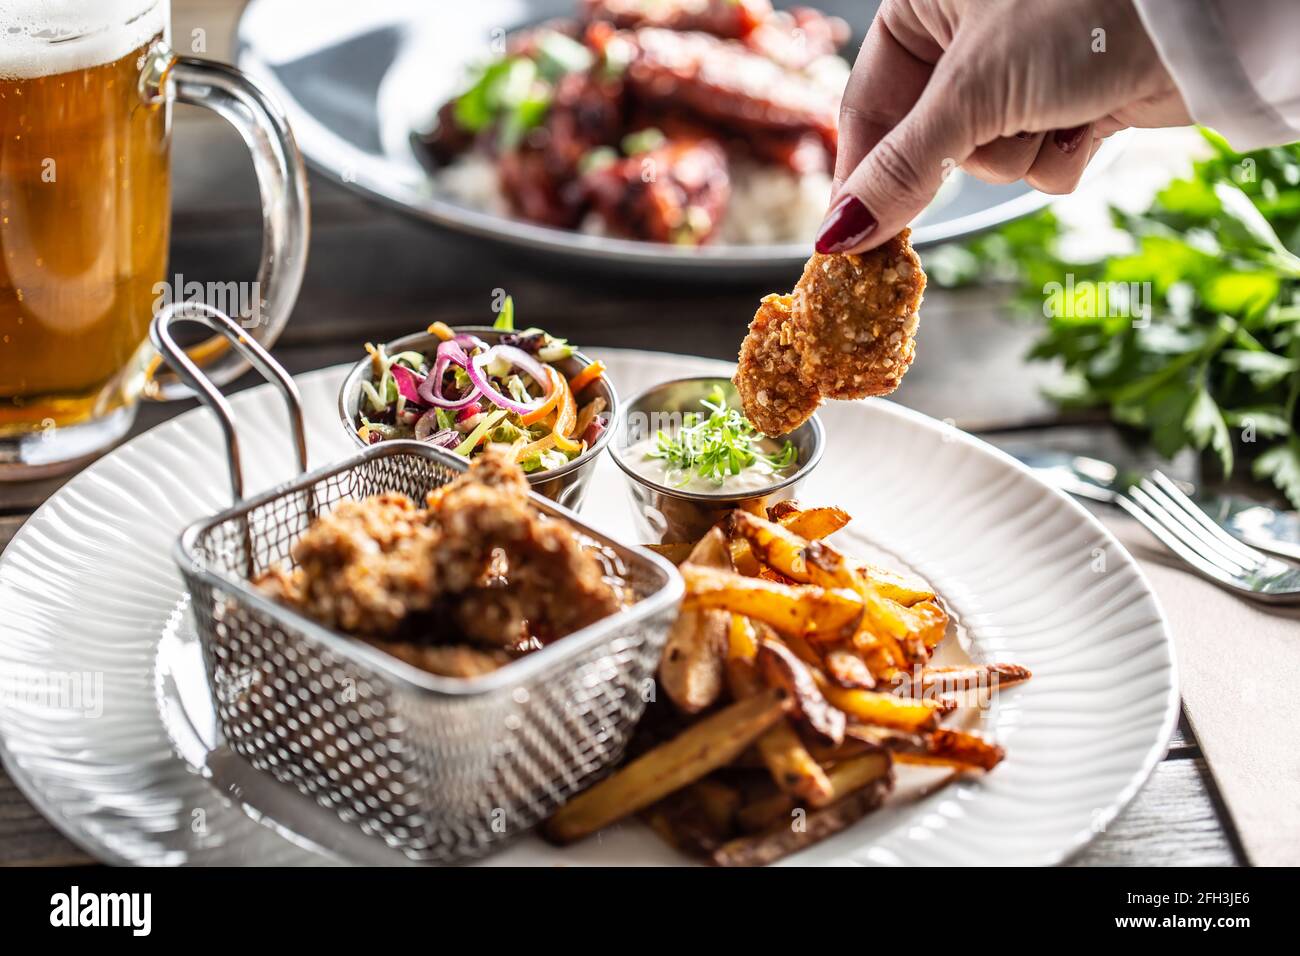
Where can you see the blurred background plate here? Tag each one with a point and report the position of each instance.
(356, 78)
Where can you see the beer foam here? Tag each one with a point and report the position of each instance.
(44, 37)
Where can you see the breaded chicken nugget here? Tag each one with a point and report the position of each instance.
(854, 318)
(773, 394)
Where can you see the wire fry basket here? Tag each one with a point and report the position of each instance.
(438, 768)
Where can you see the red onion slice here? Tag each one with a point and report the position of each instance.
(511, 354)
(408, 384)
(449, 353)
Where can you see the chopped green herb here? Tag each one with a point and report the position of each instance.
(1212, 361)
(718, 445)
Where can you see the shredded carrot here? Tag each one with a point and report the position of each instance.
(588, 375)
(544, 409)
(566, 416)
(442, 330)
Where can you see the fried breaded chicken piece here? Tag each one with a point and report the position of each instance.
(846, 332)
(553, 586)
(775, 397)
(855, 316)
(480, 557)
(367, 565)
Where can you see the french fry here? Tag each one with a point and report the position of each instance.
(881, 738)
(886, 710)
(742, 649)
(848, 776)
(783, 509)
(772, 544)
(783, 838)
(894, 586)
(743, 559)
(815, 523)
(780, 668)
(713, 742)
(691, 669)
(847, 669)
(808, 611)
(968, 677)
(696, 819)
(955, 748)
(801, 648)
(792, 767)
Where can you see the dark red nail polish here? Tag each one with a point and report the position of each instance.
(1068, 140)
(846, 226)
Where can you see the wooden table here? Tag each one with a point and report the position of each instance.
(373, 276)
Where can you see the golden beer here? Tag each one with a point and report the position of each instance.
(84, 217)
(86, 88)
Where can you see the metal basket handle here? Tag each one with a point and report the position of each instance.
(160, 334)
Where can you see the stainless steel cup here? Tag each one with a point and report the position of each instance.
(565, 486)
(667, 515)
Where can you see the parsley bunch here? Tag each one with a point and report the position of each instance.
(719, 444)
(1215, 360)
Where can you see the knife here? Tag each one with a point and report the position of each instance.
(1260, 526)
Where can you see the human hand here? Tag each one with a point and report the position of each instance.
(1007, 90)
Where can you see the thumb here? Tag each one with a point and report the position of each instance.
(897, 179)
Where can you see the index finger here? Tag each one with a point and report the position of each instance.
(886, 82)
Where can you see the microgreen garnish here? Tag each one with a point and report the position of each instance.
(719, 444)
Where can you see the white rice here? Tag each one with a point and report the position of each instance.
(768, 204)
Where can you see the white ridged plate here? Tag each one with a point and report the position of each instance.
(88, 586)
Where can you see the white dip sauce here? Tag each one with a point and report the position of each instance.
(757, 477)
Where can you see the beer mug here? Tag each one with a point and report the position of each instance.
(86, 90)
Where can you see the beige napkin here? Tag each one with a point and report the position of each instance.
(1239, 670)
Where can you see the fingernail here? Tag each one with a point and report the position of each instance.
(846, 226)
(1068, 140)
(1024, 134)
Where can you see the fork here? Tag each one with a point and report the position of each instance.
(1165, 511)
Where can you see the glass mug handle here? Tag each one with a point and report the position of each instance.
(282, 182)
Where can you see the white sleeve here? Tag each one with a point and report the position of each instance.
(1235, 63)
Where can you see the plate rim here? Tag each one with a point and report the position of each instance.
(1152, 756)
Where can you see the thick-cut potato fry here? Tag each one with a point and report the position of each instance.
(783, 509)
(815, 523)
(801, 648)
(809, 611)
(792, 767)
(713, 742)
(742, 649)
(968, 677)
(772, 544)
(780, 668)
(676, 552)
(718, 801)
(894, 586)
(691, 669)
(953, 748)
(847, 776)
(881, 738)
(783, 839)
(874, 707)
(743, 559)
(696, 819)
(847, 669)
